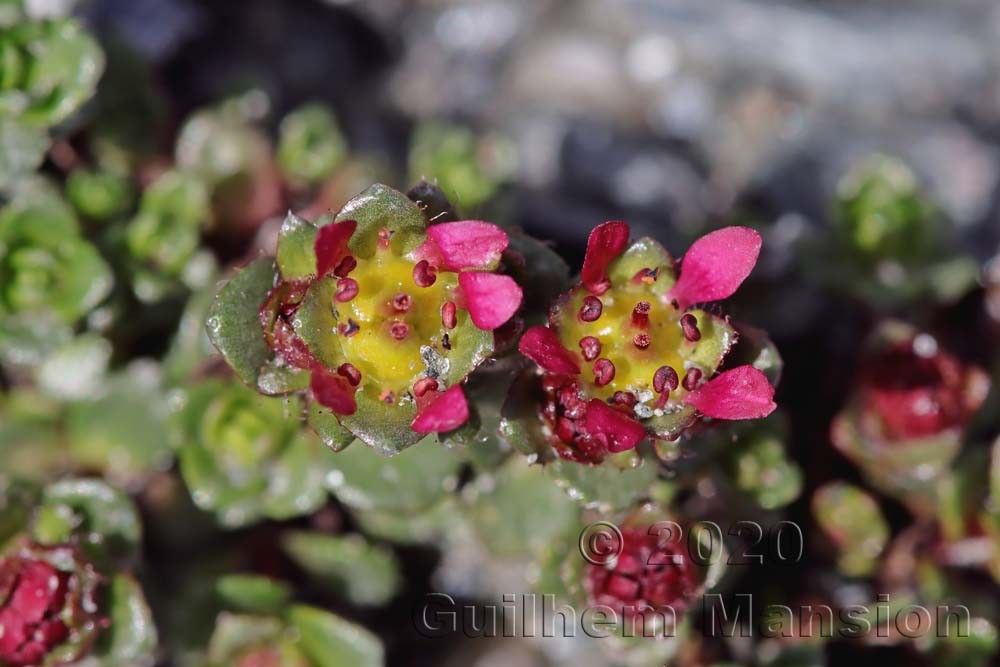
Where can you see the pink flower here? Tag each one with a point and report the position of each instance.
(626, 354)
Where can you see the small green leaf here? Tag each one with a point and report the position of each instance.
(407, 483)
(331, 641)
(233, 324)
(644, 253)
(296, 251)
(615, 484)
(853, 522)
(328, 427)
(131, 638)
(235, 633)
(22, 149)
(380, 207)
(108, 522)
(253, 594)
(365, 574)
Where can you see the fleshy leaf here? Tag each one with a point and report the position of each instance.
(542, 345)
(331, 641)
(445, 413)
(621, 431)
(740, 393)
(605, 244)
(329, 429)
(381, 207)
(331, 245)
(233, 323)
(296, 253)
(363, 573)
(492, 299)
(716, 265)
(467, 244)
(132, 636)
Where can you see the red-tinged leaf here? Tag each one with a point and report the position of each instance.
(331, 245)
(467, 244)
(605, 243)
(740, 393)
(620, 431)
(332, 391)
(716, 265)
(491, 299)
(446, 412)
(542, 345)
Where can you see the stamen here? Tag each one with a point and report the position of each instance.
(424, 274)
(590, 347)
(646, 276)
(641, 341)
(664, 379)
(399, 330)
(349, 329)
(692, 378)
(350, 372)
(604, 372)
(347, 289)
(424, 385)
(401, 302)
(448, 316)
(591, 309)
(689, 323)
(640, 314)
(345, 267)
(625, 398)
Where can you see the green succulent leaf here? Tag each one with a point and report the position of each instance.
(328, 427)
(853, 522)
(331, 641)
(616, 484)
(131, 638)
(363, 573)
(253, 594)
(233, 325)
(381, 207)
(310, 144)
(22, 150)
(98, 195)
(406, 484)
(644, 253)
(296, 248)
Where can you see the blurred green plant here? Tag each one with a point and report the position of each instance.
(310, 145)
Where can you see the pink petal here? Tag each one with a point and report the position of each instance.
(622, 432)
(542, 345)
(716, 264)
(331, 245)
(740, 393)
(467, 244)
(491, 299)
(446, 412)
(606, 242)
(332, 391)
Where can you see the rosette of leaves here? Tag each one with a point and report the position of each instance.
(50, 68)
(163, 236)
(310, 145)
(469, 167)
(260, 627)
(244, 456)
(852, 522)
(50, 275)
(893, 243)
(99, 195)
(225, 150)
(377, 313)
(65, 590)
(904, 423)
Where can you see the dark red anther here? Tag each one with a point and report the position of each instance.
(384, 236)
(664, 379)
(591, 309)
(692, 378)
(590, 347)
(345, 267)
(424, 385)
(448, 315)
(641, 341)
(646, 276)
(625, 398)
(640, 314)
(689, 323)
(604, 372)
(401, 302)
(347, 289)
(424, 274)
(565, 429)
(446, 342)
(399, 330)
(349, 329)
(350, 372)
